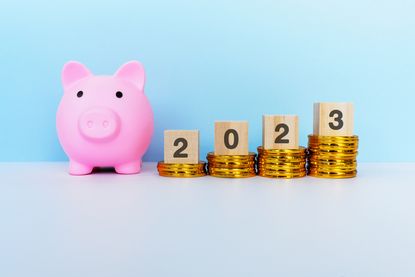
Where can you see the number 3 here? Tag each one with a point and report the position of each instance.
(338, 119)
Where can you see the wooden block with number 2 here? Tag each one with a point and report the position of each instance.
(333, 119)
(181, 146)
(280, 132)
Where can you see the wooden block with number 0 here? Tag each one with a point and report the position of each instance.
(231, 138)
(333, 119)
(280, 132)
(181, 146)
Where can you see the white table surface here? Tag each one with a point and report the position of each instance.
(54, 224)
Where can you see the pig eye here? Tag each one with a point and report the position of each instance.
(80, 93)
(118, 94)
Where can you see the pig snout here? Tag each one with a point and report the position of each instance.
(99, 124)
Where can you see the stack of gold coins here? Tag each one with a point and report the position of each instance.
(332, 156)
(231, 166)
(181, 170)
(282, 163)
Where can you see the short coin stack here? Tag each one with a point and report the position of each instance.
(332, 156)
(282, 163)
(181, 170)
(231, 166)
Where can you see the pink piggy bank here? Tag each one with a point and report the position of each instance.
(104, 121)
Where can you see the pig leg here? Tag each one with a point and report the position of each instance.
(76, 168)
(129, 168)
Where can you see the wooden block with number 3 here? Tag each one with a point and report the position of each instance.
(181, 146)
(333, 119)
(231, 138)
(280, 132)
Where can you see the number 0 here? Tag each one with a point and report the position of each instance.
(235, 138)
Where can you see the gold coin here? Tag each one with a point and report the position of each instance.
(332, 159)
(286, 159)
(333, 143)
(341, 164)
(282, 152)
(232, 164)
(333, 138)
(271, 160)
(331, 148)
(222, 169)
(286, 169)
(282, 164)
(281, 172)
(231, 173)
(282, 157)
(332, 168)
(162, 164)
(286, 175)
(181, 174)
(330, 174)
(333, 156)
(282, 167)
(231, 158)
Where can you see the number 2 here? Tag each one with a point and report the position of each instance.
(178, 153)
(279, 138)
(338, 119)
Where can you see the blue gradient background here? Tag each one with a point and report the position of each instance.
(215, 60)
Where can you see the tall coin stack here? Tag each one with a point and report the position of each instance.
(282, 163)
(231, 166)
(332, 156)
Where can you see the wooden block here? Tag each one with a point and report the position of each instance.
(333, 119)
(231, 138)
(280, 132)
(181, 146)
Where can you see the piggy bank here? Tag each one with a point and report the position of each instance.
(104, 121)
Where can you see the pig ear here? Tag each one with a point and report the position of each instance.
(72, 72)
(132, 71)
